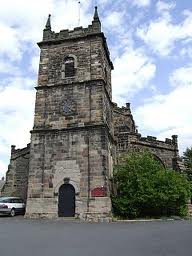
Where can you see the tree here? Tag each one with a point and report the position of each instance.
(187, 157)
(145, 188)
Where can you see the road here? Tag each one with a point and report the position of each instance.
(21, 237)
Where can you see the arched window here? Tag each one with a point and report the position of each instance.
(69, 63)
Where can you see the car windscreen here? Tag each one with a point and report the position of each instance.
(4, 200)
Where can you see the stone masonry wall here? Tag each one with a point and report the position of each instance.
(73, 129)
(123, 119)
(80, 155)
(75, 105)
(128, 139)
(165, 151)
(90, 62)
(17, 175)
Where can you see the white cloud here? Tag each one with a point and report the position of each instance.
(181, 77)
(162, 34)
(171, 113)
(167, 111)
(133, 71)
(113, 20)
(101, 2)
(35, 64)
(21, 26)
(184, 139)
(16, 115)
(3, 168)
(6, 67)
(13, 83)
(66, 13)
(4, 149)
(22, 22)
(164, 6)
(186, 52)
(9, 43)
(141, 3)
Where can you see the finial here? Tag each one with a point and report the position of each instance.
(96, 22)
(48, 24)
(13, 148)
(128, 105)
(96, 16)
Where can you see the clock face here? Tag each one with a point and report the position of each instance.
(66, 109)
(69, 107)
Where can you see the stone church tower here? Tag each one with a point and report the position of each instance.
(72, 138)
(78, 131)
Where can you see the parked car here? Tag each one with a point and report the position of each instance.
(12, 206)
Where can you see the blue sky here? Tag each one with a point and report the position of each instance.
(151, 47)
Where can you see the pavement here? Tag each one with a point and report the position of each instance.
(24, 237)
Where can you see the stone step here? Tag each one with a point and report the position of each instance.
(68, 219)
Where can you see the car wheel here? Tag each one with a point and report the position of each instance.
(12, 213)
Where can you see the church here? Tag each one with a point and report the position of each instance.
(78, 132)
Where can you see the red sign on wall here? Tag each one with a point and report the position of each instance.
(99, 192)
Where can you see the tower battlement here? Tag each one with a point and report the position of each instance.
(95, 27)
(125, 110)
(67, 34)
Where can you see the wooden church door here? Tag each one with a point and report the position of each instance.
(66, 206)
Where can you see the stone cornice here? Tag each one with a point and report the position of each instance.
(154, 146)
(63, 84)
(86, 127)
(87, 83)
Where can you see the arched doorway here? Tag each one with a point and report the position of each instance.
(66, 206)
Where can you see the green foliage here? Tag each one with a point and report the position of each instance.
(187, 157)
(145, 188)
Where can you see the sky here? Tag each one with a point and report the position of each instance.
(151, 48)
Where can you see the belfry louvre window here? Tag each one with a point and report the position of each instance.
(69, 67)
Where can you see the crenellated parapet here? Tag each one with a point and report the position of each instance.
(87, 50)
(128, 139)
(167, 143)
(95, 27)
(50, 36)
(123, 119)
(124, 109)
(15, 153)
(70, 34)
